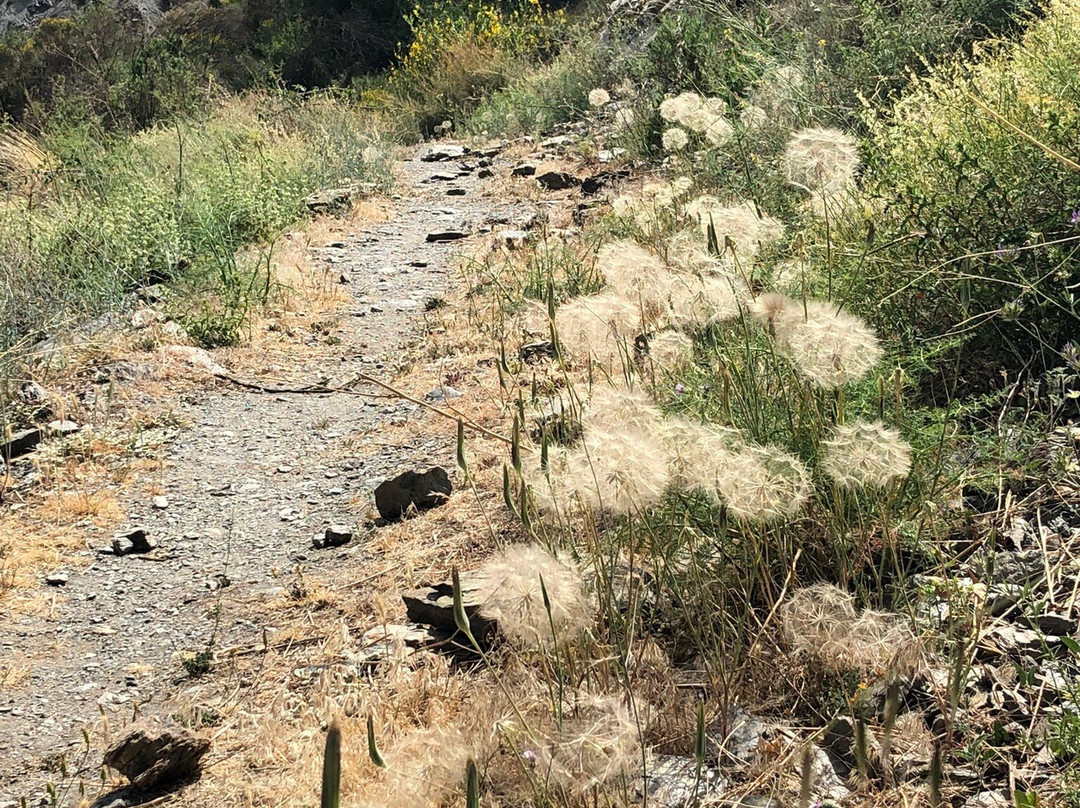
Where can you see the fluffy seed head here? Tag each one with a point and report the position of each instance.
(598, 97)
(635, 274)
(599, 326)
(512, 596)
(681, 107)
(739, 222)
(764, 484)
(429, 764)
(699, 301)
(675, 139)
(669, 350)
(828, 346)
(597, 745)
(624, 118)
(823, 160)
(865, 454)
(698, 454)
(822, 621)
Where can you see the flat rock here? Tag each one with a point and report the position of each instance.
(333, 536)
(523, 170)
(394, 498)
(671, 781)
(557, 181)
(446, 235)
(134, 541)
(331, 200)
(152, 755)
(514, 239)
(56, 579)
(20, 444)
(434, 606)
(442, 393)
(444, 152)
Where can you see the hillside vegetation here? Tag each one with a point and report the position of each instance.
(812, 384)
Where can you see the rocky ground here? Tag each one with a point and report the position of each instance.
(247, 485)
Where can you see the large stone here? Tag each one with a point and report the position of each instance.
(394, 498)
(19, 444)
(441, 236)
(151, 755)
(557, 181)
(444, 152)
(134, 541)
(434, 606)
(671, 781)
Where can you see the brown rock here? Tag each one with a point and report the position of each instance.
(153, 755)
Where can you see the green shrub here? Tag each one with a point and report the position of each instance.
(973, 200)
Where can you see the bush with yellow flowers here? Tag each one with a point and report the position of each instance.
(460, 52)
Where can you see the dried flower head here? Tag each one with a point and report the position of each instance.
(740, 223)
(822, 160)
(669, 350)
(625, 470)
(699, 301)
(598, 97)
(828, 346)
(599, 326)
(822, 621)
(509, 584)
(764, 484)
(675, 139)
(619, 409)
(698, 454)
(865, 454)
(753, 117)
(429, 764)
(597, 745)
(624, 118)
(779, 92)
(681, 107)
(637, 275)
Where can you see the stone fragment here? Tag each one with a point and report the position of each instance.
(443, 176)
(446, 235)
(56, 579)
(514, 239)
(485, 173)
(557, 181)
(395, 497)
(671, 781)
(523, 170)
(20, 444)
(434, 606)
(552, 142)
(987, 799)
(161, 503)
(333, 536)
(444, 152)
(62, 427)
(607, 155)
(134, 541)
(332, 201)
(456, 192)
(535, 351)
(442, 393)
(151, 755)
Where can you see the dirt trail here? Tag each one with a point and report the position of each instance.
(247, 484)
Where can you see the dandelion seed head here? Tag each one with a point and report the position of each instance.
(675, 139)
(778, 91)
(764, 484)
(627, 470)
(600, 326)
(821, 159)
(822, 622)
(598, 97)
(865, 454)
(597, 745)
(637, 274)
(428, 764)
(699, 301)
(669, 350)
(830, 348)
(512, 596)
(679, 108)
(616, 408)
(698, 454)
(739, 222)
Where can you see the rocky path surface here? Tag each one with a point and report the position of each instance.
(245, 488)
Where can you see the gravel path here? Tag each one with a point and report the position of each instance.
(247, 485)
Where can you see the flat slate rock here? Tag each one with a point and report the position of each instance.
(434, 606)
(443, 153)
(152, 756)
(446, 235)
(394, 498)
(21, 443)
(557, 181)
